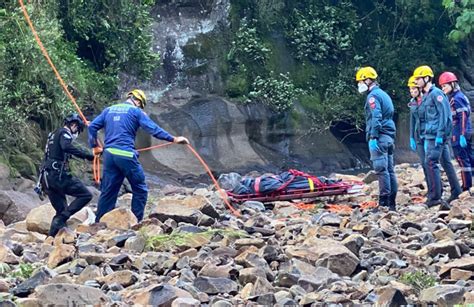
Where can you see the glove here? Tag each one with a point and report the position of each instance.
(462, 141)
(180, 140)
(97, 151)
(413, 144)
(373, 145)
(438, 141)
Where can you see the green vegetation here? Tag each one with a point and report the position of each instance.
(419, 280)
(88, 41)
(462, 12)
(176, 239)
(327, 41)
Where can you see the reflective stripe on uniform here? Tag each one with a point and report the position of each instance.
(120, 152)
(311, 184)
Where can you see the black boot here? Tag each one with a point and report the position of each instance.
(392, 203)
(454, 195)
(58, 222)
(383, 201)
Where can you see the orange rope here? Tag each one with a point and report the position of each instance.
(46, 55)
(221, 191)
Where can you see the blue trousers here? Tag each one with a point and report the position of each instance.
(116, 169)
(382, 162)
(436, 154)
(465, 158)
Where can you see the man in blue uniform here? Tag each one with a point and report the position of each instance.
(461, 140)
(436, 128)
(121, 122)
(380, 133)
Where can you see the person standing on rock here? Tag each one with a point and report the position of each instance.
(416, 139)
(380, 133)
(58, 180)
(436, 128)
(461, 140)
(121, 122)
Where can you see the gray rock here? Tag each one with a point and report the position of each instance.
(327, 219)
(456, 224)
(445, 295)
(70, 294)
(212, 285)
(254, 205)
(391, 298)
(28, 286)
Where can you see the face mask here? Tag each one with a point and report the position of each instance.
(75, 135)
(362, 88)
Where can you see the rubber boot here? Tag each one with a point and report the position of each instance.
(58, 222)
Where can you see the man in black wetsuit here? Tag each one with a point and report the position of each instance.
(57, 179)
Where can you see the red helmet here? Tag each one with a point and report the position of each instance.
(447, 77)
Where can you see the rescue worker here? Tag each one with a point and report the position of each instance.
(461, 140)
(380, 134)
(121, 122)
(436, 125)
(58, 180)
(416, 140)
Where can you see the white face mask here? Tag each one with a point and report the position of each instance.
(362, 88)
(75, 135)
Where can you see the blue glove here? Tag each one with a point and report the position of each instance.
(462, 141)
(373, 145)
(412, 144)
(438, 141)
(425, 146)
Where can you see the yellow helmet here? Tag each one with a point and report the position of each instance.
(139, 95)
(423, 71)
(412, 82)
(366, 73)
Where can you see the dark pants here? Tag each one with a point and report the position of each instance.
(465, 158)
(60, 185)
(116, 169)
(420, 150)
(436, 154)
(382, 161)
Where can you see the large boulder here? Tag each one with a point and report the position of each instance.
(192, 209)
(157, 295)
(327, 253)
(444, 295)
(14, 205)
(119, 218)
(39, 219)
(70, 295)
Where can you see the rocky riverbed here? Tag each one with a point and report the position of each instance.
(191, 251)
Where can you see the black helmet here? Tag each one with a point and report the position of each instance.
(75, 118)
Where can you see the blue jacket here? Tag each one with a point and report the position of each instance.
(461, 112)
(121, 122)
(379, 114)
(435, 115)
(415, 131)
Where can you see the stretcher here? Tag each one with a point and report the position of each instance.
(317, 189)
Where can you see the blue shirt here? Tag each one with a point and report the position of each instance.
(461, 112)
(379, 114)
(121, 122)
(435, 115)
